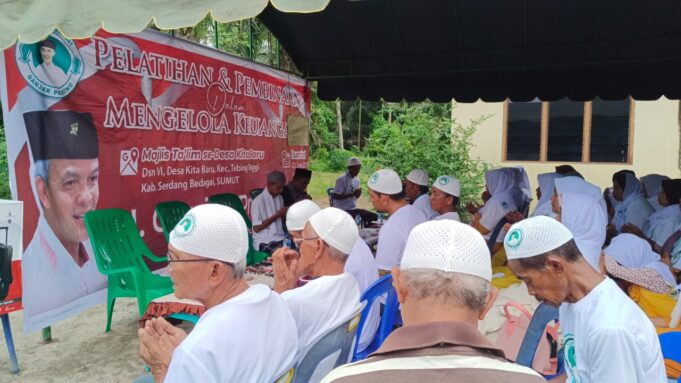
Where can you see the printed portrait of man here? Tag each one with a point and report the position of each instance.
(58, 266)
(48, 72)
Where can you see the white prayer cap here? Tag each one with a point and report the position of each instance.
(448, 246)
(212, 231)
(354, 161)
(385, 181)
(299, 213)
(418, 176)
(448, 184)
(535, 236)
(335, 227)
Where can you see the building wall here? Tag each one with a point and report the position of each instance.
(655, 142)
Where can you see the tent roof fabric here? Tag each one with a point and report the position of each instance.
(31, 21)
(486, 49)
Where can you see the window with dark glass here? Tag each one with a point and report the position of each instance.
(610, 130)
(523, 135)
(566, 130)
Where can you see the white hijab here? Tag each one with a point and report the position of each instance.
(633, 190)
(586, 220)
(546, 187)
(631, 251)
(500, 184)
(577, 185)
(522, 183)
(653, 185)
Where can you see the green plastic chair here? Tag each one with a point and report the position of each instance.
(256, 192)
(170, 213)
(119, 253)
(233, 201)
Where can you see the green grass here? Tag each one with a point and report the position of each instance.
(322, 180)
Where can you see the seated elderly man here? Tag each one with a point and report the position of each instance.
(360, 264)
(416, 189)
(268, 213)
(444, 198)
(606, 336)
(207, 260)
(347, 191)
(443, 286)
(332, 296)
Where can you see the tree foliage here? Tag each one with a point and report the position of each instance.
(423, 135)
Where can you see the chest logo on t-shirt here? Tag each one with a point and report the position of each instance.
(515, 238)
(504, 205)
(570, 358)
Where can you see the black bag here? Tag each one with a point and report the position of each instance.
(5, 270)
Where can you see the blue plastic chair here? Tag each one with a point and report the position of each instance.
(541, 317)
(375, 291)
(670, 343)
(495, 233)
(331, 350)
(329, 190)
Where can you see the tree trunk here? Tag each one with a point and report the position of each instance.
(339, 117)
(359, 133)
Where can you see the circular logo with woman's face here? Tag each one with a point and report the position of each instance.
(515, 238)
(185, 226)
(444, 181)
(52, 67)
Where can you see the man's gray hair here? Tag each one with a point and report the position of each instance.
(451, 288)
(238, 270)
(337, 254)
(41, 169)
(276, 177)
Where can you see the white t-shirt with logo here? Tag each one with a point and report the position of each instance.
(392, 238)
(249, 338)
(607, 338)
(320, 306)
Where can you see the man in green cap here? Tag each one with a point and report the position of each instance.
(58, 266)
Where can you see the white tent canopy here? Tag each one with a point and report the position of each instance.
(33, 20)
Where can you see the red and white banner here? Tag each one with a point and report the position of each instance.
(128, 121)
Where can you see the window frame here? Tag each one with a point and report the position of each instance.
(586, 136)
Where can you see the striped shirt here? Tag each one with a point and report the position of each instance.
(435, 352)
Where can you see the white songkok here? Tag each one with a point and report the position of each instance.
(354, 161)
(535, 236)
(299, 213)
(418, 176)
(336, 228)
(448, 184)
(448, 246)
(385, 181)
(212, 231)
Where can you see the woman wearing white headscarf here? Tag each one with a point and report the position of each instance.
(663, 223)
(652, 184)
(633, 209)
(580, 186)
(522, 191)
(501, 185)
(586, 220)
(631, 251)
(544, 194)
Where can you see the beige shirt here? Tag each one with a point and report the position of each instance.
(435, 352)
